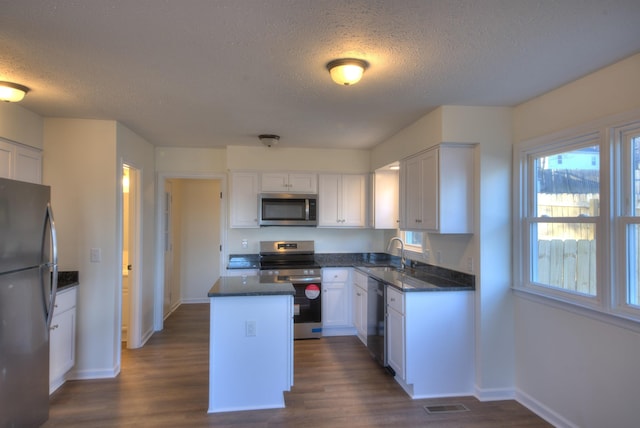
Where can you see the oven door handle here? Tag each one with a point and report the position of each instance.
(304, 278)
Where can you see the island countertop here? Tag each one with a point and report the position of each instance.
(250, 285)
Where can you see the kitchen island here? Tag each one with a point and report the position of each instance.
(250, 345)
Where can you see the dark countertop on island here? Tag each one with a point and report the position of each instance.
(250, 285)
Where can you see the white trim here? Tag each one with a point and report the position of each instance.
(549, 415)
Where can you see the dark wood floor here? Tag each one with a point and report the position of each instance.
(336, 384)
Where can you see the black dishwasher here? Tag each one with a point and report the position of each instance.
(376, 320)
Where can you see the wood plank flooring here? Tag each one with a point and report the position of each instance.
(336, 384)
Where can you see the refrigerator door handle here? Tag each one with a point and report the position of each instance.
(54, 265)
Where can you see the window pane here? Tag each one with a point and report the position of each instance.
(413, 238)
(635, 158)
(633, 264)
(564, 259)
(568, 184)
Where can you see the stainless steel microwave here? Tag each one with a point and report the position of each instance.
(287, 209)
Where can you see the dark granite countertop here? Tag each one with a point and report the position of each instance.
(250, 285)
(413, 280)
(67, 279)
(417, 277)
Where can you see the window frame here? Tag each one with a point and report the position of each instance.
(612, 275)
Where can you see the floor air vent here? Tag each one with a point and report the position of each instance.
(446, 408)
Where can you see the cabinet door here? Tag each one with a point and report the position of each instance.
(336, 298)
(353, 200)
(244, 199)
(28, 165)
(429, 202)
(360, 312)
(303, 183)
(412, 193)
(6, 160)
(275, 182)
(386, 200)
(396, 342)
(328, 196)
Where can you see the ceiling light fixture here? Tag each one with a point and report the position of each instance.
(12, 92)
(347, 71)
(269, 139)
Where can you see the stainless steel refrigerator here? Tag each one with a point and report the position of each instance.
(28, 284)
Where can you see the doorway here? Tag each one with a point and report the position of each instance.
(131, 335)
(192, 233)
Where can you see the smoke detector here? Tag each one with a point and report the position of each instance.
(269, 139)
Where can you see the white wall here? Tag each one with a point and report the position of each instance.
(80, 167)
(577, 370)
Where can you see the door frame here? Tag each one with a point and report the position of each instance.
(158, 319)
(134, 330)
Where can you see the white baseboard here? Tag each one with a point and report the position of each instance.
(543, 411)
(338, 331)
(494, 394)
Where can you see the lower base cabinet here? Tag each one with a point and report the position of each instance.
(62, 337)
(430, 342)
(360, 305)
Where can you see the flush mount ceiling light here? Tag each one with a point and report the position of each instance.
(12, 92)
(269, 139)
(347, 71)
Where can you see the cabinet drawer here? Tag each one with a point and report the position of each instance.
(335, 275)
(65, 300)
(395, 299)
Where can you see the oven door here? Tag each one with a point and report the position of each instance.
(307, 310)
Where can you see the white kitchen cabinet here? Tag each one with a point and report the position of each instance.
(430, 341)
(385, 200)
(360, 305)
(436, 190)
(395, 331)
(342, 200)
(62, 337)
(243, 193)
(20, 162)
(336, 302)
(287, 182)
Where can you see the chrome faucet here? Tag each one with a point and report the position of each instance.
(403, 261)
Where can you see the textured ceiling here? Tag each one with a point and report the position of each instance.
(211, 73)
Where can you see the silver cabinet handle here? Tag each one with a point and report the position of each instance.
(53, 327)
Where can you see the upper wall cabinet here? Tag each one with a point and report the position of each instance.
(385, 200)
(342, 200)
(283, 182)
(436, 190)
(20, 162)
(243, 192)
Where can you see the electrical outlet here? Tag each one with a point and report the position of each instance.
(245, 243)
(250, 327)
(470, 264)
(427, 255)
(95, 255)
(439, 257)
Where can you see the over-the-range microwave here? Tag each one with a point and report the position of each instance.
(287, 209)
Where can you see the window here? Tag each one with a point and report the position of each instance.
(629, 217)
(577, 237)
(562, 219)
(413, 241)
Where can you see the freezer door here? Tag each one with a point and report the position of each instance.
(24, 350)
(23, 222)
